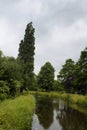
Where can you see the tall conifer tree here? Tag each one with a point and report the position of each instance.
(26, 55)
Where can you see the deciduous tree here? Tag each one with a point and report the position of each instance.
(46, 77)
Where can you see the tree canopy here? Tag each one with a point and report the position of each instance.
(46, 77)
(74, 75)
(26, 55)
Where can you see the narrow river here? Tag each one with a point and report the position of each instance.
(53, 114)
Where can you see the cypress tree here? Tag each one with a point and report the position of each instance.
(26, 55)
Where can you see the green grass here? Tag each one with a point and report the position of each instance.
(16, 114)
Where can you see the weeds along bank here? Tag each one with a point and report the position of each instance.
(77, 99)
(16, 114)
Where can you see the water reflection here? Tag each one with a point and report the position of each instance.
(53, 114)
(71, 119)
(44, 111)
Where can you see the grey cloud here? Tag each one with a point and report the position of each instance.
(62, 13)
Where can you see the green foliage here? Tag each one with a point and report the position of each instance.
(11, 69)
(82, 67)
(66, 74)
(74, 75)
(80, 74)
(17, 114)
(4, 87)
(34, 84)
(10, 77)
(4, 90)
(2, 64)
(14, 87)
(26, 55)
(17, 74)
(57, 86)
(46, 77)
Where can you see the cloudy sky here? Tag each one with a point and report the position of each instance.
(60, 28)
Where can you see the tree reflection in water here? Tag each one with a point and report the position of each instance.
(53, 114)
(44, 111)
(71, 119)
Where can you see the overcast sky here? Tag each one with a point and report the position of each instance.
(60, 29)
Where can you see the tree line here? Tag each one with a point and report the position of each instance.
(73, 75)
(17, 74)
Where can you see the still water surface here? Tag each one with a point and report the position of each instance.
(53, 114)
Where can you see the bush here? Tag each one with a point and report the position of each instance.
(14, 86)
(4, 90)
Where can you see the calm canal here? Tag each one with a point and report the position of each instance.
(53, 114)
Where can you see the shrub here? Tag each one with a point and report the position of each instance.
(4, 90)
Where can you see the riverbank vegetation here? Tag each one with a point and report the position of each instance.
(17, 74)
(80, 100)
(16, 114)
(17, 77)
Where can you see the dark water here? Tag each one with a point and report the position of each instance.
(53, 114)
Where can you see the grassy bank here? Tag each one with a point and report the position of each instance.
(80, 100)
(16, 114)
